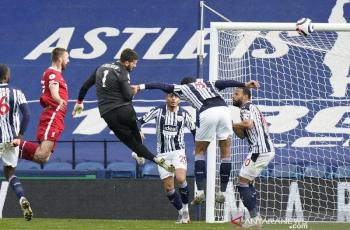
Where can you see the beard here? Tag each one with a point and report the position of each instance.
(128, 68)
(236, 103)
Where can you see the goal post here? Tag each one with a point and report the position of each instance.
(305, 101)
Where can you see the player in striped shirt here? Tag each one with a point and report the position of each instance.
(171, 121)
(12, 104)
(261, 150)
(213, 120)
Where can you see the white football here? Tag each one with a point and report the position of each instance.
(304, 26)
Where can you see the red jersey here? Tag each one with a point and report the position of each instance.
(52, 76)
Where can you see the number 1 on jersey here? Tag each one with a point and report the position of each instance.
(105, 73)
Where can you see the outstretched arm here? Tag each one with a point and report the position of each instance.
(223, 84)
(167, 88)
(79, 106)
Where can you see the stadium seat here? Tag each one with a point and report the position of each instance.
(27, 165)
(89, 166)
(342, 172)
(58, 166)
(284, 171)
(150, 170)
(315, 171)
(122, 169)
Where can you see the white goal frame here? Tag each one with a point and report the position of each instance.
(213, 73)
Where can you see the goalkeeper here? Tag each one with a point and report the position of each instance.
(261, 151)
(114, 96)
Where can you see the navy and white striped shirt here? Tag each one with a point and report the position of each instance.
(201, 95)
(12, 101)
(170, 127)
(258, 136)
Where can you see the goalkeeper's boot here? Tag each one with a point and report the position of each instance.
(162, 163)
(255, 222)
(220, 197)
(139, 160)
(25, 206)
(199, 198)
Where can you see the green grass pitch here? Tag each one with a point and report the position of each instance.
(84, 224)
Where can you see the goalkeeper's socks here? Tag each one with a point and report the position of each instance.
(200, 171)
(16, 186)
(174, 198)
(27, 150)
(248, 198)
(225, 170)
(184, 192)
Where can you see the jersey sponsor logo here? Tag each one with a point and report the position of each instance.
(169, 130)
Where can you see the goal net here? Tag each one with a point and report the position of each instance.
(304, 98)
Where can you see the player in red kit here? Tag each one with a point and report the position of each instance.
(54, 100)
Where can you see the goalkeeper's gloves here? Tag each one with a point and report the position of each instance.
(78, 107)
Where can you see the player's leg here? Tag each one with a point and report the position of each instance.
(51, 125)
(27, 149)
(180, 175)
(205, 133)
(39, 153)
(44, 151)
(246, 177)
(251, 168)
(179, 160)
(224, 134)
(173, 196)
(200, 171)
(225, 168)
(122, 121)
(9, 157)
(168, 185)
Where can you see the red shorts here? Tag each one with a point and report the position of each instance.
(51, 125)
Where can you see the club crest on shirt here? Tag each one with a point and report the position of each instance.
(52, 76)
(180, 119)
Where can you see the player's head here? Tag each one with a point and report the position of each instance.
(60, 57)
(172, 100)
(129, 58)
(187, 80)
(241, 96)
(4, 73)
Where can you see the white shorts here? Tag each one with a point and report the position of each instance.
(215, 121)
(9, 154)
(250, 169)
(177, 158)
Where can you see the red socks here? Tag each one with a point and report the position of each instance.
(27, 150)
